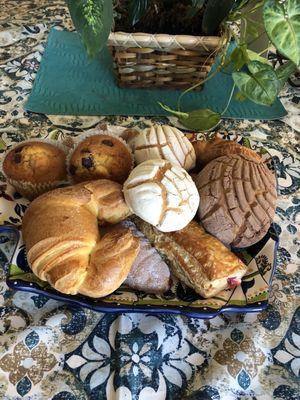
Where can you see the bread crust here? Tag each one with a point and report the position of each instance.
(149, 273)
(63, 243)
(162, 194)
(100, 156)
(207, 151)
(35, 162)
(238, 199)
(196, 258)
(164, 142)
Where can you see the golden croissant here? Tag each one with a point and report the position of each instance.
(64, 245)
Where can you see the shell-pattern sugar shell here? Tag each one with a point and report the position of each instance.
(238, 199)
(162, 194)
(165, 142)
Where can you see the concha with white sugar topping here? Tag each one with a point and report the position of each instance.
(165, 142)
(162, 194)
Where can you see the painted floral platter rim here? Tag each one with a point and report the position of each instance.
(82, 301)
(205, 310)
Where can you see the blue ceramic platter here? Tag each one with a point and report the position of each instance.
(250, 296)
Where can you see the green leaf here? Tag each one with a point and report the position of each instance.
(197, 3)
(137, 9)
(252, 56)
(92, 20)
(201, 120)
(239, 57)
(259, 85)
(16, 273)
(246, 143)
(215, 12)
(15, 270)
(284, 72)
(253, 29)
(239, 96)
(282, 23)
(239, 4)
(54, 135)
(2, 144)
(194, 8)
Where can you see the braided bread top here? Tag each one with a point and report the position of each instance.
(64, 245)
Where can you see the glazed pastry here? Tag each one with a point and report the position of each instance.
(198, 259)
(238, 199)
(149, 273)
(162, 194)
(63, 244)
(100, 156)
(207, 151)
(34, 167)
(165, 142)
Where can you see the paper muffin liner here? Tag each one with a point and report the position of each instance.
(32, 190)
(29, 189)
(94, 132)
(116, 130)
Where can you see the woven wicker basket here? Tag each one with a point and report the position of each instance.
(143, 60)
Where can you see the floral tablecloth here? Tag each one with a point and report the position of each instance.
(50, 350)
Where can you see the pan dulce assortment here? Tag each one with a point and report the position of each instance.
(140, 209)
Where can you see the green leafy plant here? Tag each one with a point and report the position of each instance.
(137, 9)
(214, 14)
(282, 23)
(253, 76)
(93, 21)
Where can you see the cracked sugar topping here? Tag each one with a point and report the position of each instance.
(162, 194)
(238, 199)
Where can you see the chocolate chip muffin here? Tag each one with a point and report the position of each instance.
(100, 156)
(34, 167)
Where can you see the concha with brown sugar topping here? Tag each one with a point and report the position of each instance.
(238, 199)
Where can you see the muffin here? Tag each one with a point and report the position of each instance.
(34, 167)
(100, 156)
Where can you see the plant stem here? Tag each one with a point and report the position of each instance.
(194, 87)
(203, 81)
(253, 40)
(222, 58)
(257, 6)
(229, 100)
(245, 29)
(266, 49)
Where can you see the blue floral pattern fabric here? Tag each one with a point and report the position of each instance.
(51, 350)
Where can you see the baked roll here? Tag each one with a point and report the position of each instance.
(34, 167)
(100, 156)
(162, 194)
(149, 273)
(238, 199)
(64, 245)
(207, 151)
(196, 258)
(164, 142)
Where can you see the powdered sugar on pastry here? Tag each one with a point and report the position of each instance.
(149, 272)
